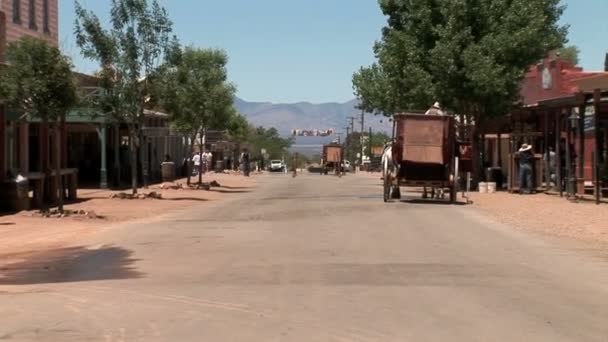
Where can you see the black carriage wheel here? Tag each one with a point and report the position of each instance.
(453, 194)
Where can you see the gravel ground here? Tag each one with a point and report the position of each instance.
(547, 214)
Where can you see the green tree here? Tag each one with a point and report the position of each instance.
(353, 143)
(469, 55)
(39, 83)
(239, 128)
(194, 88)
(129, 52)
(270, 140)
(570, 53)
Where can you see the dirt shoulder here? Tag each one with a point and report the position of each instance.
(26, 231)
(547, 214)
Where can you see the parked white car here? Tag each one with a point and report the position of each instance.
(276, 166)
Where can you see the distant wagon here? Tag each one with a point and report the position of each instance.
(333, 157)
(425, 152)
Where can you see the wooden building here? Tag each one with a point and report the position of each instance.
(563, 109)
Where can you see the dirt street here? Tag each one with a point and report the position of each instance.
(311, 258)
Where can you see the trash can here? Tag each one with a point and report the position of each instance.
(168, 171)
(18, 194)
(497, 177)
(489, 175)
(219, 166)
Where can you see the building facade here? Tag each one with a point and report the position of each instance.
(33, 18)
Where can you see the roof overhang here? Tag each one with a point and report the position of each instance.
(592, 83)
(559, 102)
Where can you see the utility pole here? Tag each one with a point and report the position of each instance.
(346, 141)
(361, 137)
(352, 123)
(370, 144)
(339, 136)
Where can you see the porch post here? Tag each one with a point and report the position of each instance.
(569, 172)
(581, 150)
(2, 142)
(597, 98)
(117, 155)
(103, 183)
(24, 147)
(547, 154)
(558, 153)
(64, 143)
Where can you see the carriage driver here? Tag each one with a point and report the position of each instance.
(434, 110)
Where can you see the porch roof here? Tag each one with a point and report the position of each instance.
(590, 84)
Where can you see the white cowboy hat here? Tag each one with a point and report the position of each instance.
(436, 105)
(525, 147)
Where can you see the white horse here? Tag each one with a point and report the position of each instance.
(389, 167)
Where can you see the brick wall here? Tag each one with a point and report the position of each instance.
(11, 30)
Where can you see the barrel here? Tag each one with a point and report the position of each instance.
(483, 187)
(168, 171)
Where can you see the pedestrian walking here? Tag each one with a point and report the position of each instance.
(207, 159)
(245, 162)
(196, 160)
(525, 169)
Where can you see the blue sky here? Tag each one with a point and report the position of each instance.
(306, 50)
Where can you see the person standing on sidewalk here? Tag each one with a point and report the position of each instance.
(525, 169)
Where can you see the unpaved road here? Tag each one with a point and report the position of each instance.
(309, 259)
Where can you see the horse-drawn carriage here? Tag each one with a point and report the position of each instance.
(424, 154)
(333, 157)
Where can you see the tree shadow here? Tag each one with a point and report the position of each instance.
(186, 199)
(66, 265)
(235, 187)
(230, 191)
(431, 201)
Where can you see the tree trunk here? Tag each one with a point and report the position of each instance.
(58, 178)
(189, 158)
(476, 141)
(200, 163)
(44, 165)
(133, 148)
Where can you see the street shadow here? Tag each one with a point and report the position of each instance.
(186, 199)
(230, 191)
(84, 199)
(7, 223)
(67, 265)
(430, 201)
(235, 187)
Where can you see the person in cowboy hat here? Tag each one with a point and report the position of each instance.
(525, 157)
(434, 110)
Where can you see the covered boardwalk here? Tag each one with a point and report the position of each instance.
(563, 116)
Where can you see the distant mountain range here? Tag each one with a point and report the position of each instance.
(305, 115)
